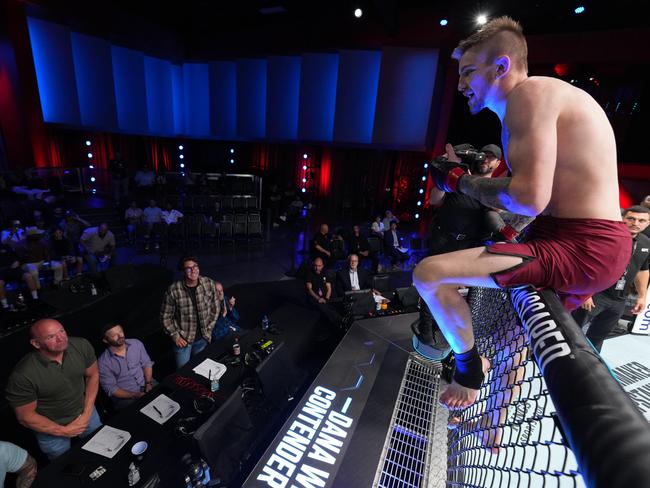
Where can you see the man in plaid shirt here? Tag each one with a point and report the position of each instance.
(189, 310)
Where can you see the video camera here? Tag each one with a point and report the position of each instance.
(468, 155)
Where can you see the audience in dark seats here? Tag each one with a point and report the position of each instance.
(359, 245)
(119, 177)
(35, 255)
(65, 253)
(145, 180)
(389, 218)
(393, 247)
(11, 270)
(99, 246)
(170, 215)
(38, 221)
(321, 245)
(14, 234)
(73, 226)
(133, 216)
(152, 215)
(189, 311)
(228, 316)
(352, 278)
(604, 309)
(14, 459)
(125, 368)
(377, 227)
(53, 389)
(646, 203)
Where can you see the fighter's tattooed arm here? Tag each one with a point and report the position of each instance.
(491, 192)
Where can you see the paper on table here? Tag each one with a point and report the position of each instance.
(210, 369)
(107, 442)
(161, 409)
(380, 299)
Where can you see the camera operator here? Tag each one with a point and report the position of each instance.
(461, 222)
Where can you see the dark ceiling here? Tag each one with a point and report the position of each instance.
(209, 28)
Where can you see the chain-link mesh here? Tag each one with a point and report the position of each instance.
(508, 438)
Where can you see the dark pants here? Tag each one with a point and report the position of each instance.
(603, 317)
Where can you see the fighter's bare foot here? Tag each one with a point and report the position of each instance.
(457, 397)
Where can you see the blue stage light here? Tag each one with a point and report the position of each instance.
(579, 10)
(443, 22)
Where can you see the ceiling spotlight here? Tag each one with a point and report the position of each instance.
(481, 19)
(443, 22)
(358, 13)
(580, 9)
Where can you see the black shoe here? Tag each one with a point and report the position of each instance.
(435, 349)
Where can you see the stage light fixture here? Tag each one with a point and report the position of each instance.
(180, 148)
(304, 180)
(421, 191)
(481, 19)
(443, 22)
(94, 190)
(87, 143)
(358, 13)
(426, 165)
(232, 161)
(182, 157)
(305, 156)
(90, 155)
(424, 178)
(91, 167)
(304, 190)
(580, 9)
(304, 167)
(182, 165)
(419, 203)
(232, 151)
(417, 215)
(92, 178)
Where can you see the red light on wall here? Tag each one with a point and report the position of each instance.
(562, 69)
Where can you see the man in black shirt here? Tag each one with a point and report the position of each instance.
(10, 270)
(319, 292)
(605, 308)
(321, 245)
(359, 245)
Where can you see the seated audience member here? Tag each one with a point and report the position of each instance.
(170, 215)
(53, 389)
(152, 215)
(14, 459)
(10, 270)
(377, 227)
(359, 245)
(319, 292)
(353, 278)
(389, 218)
(133, 216)
(65, 254)
(392, 246)
(73, 227)
(125, 368)
(321, 245)
(646, 203)
(228, 316)
(38, 220)
(145, 179)
(605, 308)
(14, 235)
(99, 244)
(34, 253)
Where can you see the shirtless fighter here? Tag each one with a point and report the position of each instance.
(561, 151)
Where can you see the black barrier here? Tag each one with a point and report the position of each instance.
(545, 388)
(608, 435)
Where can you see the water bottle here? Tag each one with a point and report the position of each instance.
(236, 348)
(214, 384)
(20, 300)
(134, 474)
(93, 290)
(265, 323)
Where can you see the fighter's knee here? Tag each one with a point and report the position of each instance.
(427, 272)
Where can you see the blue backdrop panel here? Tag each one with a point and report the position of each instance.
(197, 99)
(223, 99)
(54, 71)
(251, 98)
(283, 97)
(160, 108)
(94, 74)
(178, 101)
(406, 84)
(317, 96)
(130, 92)
(356, 96)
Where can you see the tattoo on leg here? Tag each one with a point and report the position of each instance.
(25, 477)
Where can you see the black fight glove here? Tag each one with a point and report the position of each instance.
(447, 174)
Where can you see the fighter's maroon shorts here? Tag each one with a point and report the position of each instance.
(575, 257)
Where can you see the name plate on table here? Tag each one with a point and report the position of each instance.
(107, 442)
(642, 321)
(161, 409)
